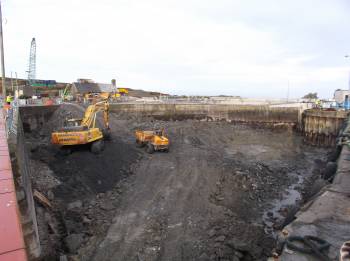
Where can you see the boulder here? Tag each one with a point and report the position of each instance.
(74, 241)
(75, 204)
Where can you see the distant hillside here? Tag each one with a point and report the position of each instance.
(61, 85)
(141, 93)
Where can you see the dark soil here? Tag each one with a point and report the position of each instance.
(83, 173)
(79, 176)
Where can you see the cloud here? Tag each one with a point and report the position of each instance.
(245, 48)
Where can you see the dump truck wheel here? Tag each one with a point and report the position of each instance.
(150, 148)
(139, 144)
(166, 150)
(97, 146)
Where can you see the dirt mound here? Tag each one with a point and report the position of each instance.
(82, 172)
(80, 176)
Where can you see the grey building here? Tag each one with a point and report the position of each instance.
(339, 95)
(84, 88)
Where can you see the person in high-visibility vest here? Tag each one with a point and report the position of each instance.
(318, 103)
(9, 99)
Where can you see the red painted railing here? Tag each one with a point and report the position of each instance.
(12, 246)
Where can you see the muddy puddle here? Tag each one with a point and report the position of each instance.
(275, 217)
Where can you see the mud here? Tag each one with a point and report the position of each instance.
(219, 194)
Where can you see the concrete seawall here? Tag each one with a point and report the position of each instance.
(33, 117)
(322, 127)
(228, 112)
(319, 127)
(26, 203)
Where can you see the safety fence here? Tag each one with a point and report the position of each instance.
(12, 245)
(42, 101)
(21, 174)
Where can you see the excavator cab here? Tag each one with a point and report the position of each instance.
(158, 132)
(72, 122)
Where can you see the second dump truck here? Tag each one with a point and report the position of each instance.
(154, 140)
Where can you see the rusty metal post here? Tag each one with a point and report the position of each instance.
(2, 58)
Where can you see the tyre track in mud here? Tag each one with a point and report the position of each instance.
(158, 192)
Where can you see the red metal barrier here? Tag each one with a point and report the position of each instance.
(12, 246)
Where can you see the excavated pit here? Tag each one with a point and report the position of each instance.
(221, 193)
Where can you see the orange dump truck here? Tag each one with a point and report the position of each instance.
(153, 140)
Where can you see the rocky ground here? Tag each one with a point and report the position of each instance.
(214, 196)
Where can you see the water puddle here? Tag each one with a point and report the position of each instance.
(277, 213)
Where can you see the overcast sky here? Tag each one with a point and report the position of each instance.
(250, 48)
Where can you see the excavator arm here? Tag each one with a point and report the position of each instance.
(89, 119)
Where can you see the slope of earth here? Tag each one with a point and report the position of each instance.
(83, 188)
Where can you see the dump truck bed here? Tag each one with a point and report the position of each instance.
(144, 136)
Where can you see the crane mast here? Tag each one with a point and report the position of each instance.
(32, 62)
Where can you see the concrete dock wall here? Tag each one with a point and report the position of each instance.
(33, 117)
(228, 112)
(26, 202)
(321, 127)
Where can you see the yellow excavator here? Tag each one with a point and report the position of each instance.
(84, 131)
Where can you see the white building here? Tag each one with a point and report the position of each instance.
(339, 95)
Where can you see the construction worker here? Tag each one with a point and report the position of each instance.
(318, 103)
(9, 99)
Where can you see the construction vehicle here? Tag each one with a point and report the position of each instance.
(153, 140)
(123, 91)
(66, 95)
(94, 97)
(115, 96)
(84, 131)
(104, 95)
